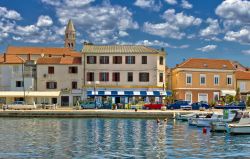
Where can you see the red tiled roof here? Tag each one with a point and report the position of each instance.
(207, 64)
(67, 60)
(10, 59)
(14, 50)
(243, 75)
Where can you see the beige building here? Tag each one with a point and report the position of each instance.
(243, 83)
(63, 74)
(123, 68)
(203, 79)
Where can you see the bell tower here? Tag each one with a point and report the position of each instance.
(70, 36)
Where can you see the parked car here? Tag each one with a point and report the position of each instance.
(233, 105)
(90, 105)
(153, 105)
(199, 105)
(178, 104)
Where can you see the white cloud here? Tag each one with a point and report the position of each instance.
(173, 25)
(186, 5)
(246, 52)
(103, 23)
(123, 33)
(207, 48)
(9, 14)
(212, 29)
(44, 20)
(77, 3)
(234, 11)
(150, 4)
(172, 2)
(242, 36)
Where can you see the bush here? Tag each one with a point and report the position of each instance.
(248, 101)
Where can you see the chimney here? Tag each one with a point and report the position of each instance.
(4, 57)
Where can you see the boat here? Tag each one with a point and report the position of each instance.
(243, 127)
(193, 119)
(184, 117)
(220, 126)
(227, 116)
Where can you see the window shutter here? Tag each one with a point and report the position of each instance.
(113, 76)
(47, 85)
(87, 59)
(100, 76)
(107, 76)
(126, 59)
(95, 59)
(55, 84)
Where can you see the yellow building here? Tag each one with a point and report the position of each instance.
(243, 83)
(203, 79)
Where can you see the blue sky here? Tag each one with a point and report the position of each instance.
(185, 28)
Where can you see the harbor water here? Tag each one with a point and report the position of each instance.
(114, 138)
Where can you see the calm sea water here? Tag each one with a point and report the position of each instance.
(114, 138)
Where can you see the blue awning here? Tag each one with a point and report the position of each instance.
(129, 93)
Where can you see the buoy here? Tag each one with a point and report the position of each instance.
(204, 130)
(158, 121)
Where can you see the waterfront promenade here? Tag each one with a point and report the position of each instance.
(95, 113)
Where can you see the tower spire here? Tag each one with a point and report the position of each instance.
(70, 36)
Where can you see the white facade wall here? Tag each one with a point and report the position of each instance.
(64, 81)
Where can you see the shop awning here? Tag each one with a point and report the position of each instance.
(129, 93)
(228, 92)
(29, 93)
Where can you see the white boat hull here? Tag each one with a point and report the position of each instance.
(238, 129)
(218, 126)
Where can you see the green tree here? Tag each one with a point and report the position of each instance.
(229, 99)
(237, 96)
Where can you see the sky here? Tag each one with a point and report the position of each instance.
(185, 28)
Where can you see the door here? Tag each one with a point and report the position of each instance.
(202, 97)
(65, 101)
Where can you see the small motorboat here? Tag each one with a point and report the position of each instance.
(184, 117)
(227, 116)
(193, 119)
(243, 127)
(220, 126)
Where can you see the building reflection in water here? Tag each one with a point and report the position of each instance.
(112, 138)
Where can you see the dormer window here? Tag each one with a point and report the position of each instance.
(224, 66)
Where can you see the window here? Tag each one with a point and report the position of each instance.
(229, 79)
(202, 79)
(144, 60)
(242, 86)
(91, 59)
(51, 70)
(144, 77)
(216, 96)
(104, 76)
(130, 59)
(216, 79)
(130, 76)
(90, 76)
(116, 76)
(104, 60)
(74, 85)
(188, 96)
(51, 85)
(117, 59)
(19, 83)
(188, 78)
(161, 77)
(161, 60)
(15, 69)
(73, 69)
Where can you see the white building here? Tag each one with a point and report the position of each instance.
(62, 74)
